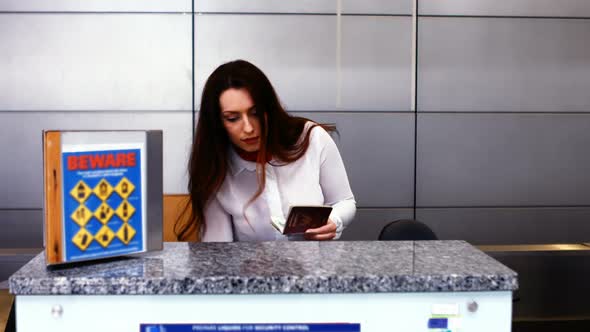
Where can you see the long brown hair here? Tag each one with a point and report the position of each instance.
(280, 137)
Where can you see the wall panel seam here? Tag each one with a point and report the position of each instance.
(93, 111)
(95, 12)
(353, 112)
(545, 206)
(303, 14)
(193, 93)
(360, 208)
(415, 101)
(508, 16)
(501, 112)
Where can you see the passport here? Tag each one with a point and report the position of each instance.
(302, 218)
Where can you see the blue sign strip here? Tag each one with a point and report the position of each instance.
(438, 323)
(291, 327)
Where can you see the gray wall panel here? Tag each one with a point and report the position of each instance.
(503, 159)
(21, 174)
(97, 5)
(368, 223)
(11, 264)
(305, 6)
(25, 229)
(95, 62)
(509, 225)
(296, 52)
(398, 7)
(266, 6)
(562, 8)
(378, 154)
(376, 63)
(503, 64)
(301, 62)
(207, 6)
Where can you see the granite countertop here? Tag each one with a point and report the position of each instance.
(276, 267)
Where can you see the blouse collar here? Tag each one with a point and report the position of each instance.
(238, 164)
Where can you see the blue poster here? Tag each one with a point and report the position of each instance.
(292, 327)
(102, 203)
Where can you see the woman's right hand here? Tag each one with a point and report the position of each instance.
(324, 233)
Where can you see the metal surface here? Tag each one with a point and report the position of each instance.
(509, 226)
(565, 8)
(389, 7)
(19, 251)
(95, 62)
(155, 189)
(97, 5)
(367, 223)
(396, 7)
(298, 58)
(533, 247)
(378, 155)
(57, 311)
(11, 263)
(503, 160)
(503, 64)
(266, 6)
(21, 229)
(376, 75)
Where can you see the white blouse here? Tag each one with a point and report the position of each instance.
(317, 178)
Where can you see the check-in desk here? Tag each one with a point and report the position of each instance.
(383, 286)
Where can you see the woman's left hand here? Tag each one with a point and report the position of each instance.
(326, 232)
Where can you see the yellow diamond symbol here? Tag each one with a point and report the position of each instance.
(81, 215)
(124, 188)
(82, 239)
(103, 189)
(125, 211)
(125, 233)
(80, 192)
(104, 213)
(104, 236)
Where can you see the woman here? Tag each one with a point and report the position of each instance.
(251, 160)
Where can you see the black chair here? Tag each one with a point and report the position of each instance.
(406, 230)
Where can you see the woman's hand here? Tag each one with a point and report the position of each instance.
(326, 232)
